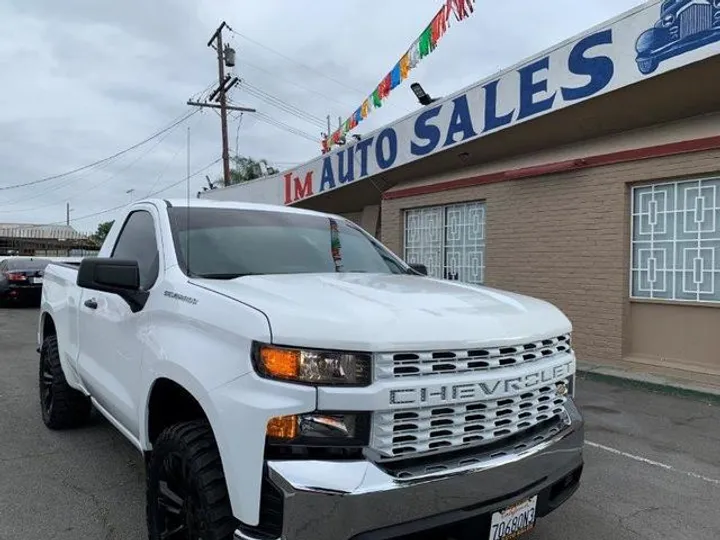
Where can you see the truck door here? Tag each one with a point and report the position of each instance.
(111, 335)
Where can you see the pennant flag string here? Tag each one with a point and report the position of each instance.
(421, 47)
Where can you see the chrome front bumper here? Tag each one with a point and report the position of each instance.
(360, 500)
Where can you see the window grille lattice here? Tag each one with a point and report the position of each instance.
(449, 240)
(676, 241)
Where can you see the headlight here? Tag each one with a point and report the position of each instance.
(315, 367)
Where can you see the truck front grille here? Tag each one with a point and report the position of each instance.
(409, 469)
(694, 19)
(419, 431)
(416, 364)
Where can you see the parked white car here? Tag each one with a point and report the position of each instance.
(287, 376)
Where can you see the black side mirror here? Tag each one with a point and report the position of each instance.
(116, 276)
(109, 275)
(419, 268)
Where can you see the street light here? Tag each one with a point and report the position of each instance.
(422, 96)
(130, 192)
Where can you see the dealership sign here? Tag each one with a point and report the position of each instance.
(651, 39)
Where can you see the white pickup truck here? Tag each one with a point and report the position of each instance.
(288, 377)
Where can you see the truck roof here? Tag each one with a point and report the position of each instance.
(207, 203)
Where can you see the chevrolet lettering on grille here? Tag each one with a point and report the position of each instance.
(462, 392)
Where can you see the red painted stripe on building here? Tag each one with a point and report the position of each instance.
(624, 156)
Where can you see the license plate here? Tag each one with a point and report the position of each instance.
(513, 521)
(37, 280)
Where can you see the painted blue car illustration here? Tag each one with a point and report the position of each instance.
(684, 25)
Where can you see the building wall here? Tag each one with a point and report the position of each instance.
(367, 218)
(565, 238)
(355, 217)
(675, 336)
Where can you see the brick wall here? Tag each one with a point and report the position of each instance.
(355, 217)
(564, 238)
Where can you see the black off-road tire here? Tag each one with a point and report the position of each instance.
(62, 406)
(186, 489)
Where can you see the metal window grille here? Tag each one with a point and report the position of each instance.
(449, 240)
(676, 241)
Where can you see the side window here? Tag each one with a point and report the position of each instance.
(137, 242)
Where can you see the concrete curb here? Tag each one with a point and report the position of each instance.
(650, 382)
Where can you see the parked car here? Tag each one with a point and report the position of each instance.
(684, 25)
(21, 279)
(288, 377)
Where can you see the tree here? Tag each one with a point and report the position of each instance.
(244, 169)
(102, 231)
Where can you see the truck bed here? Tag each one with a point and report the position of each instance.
(61, 296)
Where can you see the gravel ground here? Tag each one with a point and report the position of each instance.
(652, 465)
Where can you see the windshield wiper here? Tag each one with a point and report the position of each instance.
(226, 275)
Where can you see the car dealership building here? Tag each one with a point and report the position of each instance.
(588, 175)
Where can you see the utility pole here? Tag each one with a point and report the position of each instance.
(326, 138)
(223, 103)
(67, 214)
(225, 57)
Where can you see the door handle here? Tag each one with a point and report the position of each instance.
(92, 303)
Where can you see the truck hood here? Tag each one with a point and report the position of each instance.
(384, 312)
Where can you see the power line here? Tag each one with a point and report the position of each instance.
(185, 179)
(170, 162)
(317, 72)
(283, 105)
(55, 187)
(286, 127)
(237, 132)
(169, 186)
(86, 189)
(201, 96)
(101, 161)
(302, 87)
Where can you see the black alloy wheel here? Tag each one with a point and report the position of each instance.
(187, 497)
(46, 389)
(177, 507)
(62, 406)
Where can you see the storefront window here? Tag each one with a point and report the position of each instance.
(676, 241)
(449, 240)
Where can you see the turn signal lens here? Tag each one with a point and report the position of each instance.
(283, 427)
(313, 366)
(281, 363)
(318, 429)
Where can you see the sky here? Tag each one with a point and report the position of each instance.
(86, 79)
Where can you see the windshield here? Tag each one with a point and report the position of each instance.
(227, 243)
(27, 264)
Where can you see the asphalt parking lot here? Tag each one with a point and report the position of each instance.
(652, 465)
